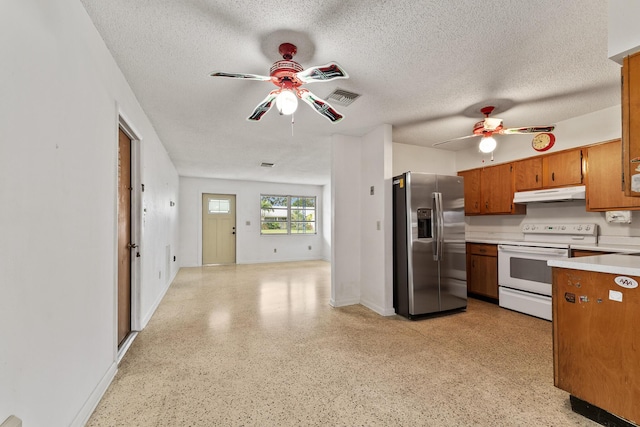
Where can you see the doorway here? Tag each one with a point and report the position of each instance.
(218, 229)
(125, 245)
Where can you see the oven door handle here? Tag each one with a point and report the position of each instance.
(533, 250)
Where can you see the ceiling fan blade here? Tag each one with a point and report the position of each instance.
(322, 73)
(455, 139)
(530, 129)
(320, 105)
(241, 76)
(264, 106)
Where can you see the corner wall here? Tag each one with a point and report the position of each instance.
(62, 93)
(361, 239)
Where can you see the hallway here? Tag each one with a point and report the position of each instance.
(259, 345)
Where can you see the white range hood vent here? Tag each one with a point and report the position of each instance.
(564, 194)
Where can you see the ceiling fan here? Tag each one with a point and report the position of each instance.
(492, 125)
(288, 76)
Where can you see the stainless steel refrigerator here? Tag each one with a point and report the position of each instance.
(429, 251)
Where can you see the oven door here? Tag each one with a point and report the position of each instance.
(525, 267)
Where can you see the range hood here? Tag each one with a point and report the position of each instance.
(562, 194)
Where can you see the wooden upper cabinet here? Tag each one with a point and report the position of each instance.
(631, 123)
(604, 179)
(471, 191)
(496, 188)
(489, 191)
(528, 174)
(562, 169)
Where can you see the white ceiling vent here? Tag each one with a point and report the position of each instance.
(342, 97)
(266, 165)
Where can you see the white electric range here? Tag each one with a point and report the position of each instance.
(524, 278)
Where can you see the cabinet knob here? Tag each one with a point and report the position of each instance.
(553, 176)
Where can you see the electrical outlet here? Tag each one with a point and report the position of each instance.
(309, 247)
(275, 250)
(378, 225)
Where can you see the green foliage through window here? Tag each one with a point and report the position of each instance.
(287, 214)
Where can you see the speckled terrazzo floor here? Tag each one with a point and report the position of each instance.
(259, 345)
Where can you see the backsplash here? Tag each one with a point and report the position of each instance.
(566, 212)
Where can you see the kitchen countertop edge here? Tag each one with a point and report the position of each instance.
(622, 264)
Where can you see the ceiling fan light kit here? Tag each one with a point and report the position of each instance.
(487, 144)
(286, 102)
(288, 76)
(491, 125)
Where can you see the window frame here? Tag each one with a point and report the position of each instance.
(289, 221)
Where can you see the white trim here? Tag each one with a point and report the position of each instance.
(125, 346)
(156, 303)
(344, 302)
(91, 403)
(378, 309)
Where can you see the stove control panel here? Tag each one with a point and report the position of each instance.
(585, 229)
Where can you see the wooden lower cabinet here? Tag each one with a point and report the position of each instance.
(596, 344)
(575, 253)
(482, 269)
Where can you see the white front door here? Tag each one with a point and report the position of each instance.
(218, 229)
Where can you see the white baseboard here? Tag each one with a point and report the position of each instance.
(344, 302)
(378, 309)
(94, 398)
(155, 305)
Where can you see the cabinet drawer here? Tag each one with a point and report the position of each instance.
(483, 249)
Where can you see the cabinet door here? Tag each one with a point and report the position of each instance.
(496, 188)
(528, 174)
(604, 179)
(631, 123)
(472, 198)
(562, 169)
(596, 345)
(483, 275)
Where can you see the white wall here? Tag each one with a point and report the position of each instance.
(375, 220)
(624, 31)
(251, 247)
(422, 159)
(61, 94)
(346, 178)
(326, 222)
(362, 222)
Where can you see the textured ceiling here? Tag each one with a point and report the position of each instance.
(424, 66)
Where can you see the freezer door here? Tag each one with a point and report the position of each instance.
(423, 289)
(453, 265)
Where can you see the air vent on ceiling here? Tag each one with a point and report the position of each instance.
(266, 165)
(342, 97)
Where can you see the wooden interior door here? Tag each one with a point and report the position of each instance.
(124, 236)
(218, 229)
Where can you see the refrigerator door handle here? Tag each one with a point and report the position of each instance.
(434, 225)
(438, 227)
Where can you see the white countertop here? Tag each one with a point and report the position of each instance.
(611, 263)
